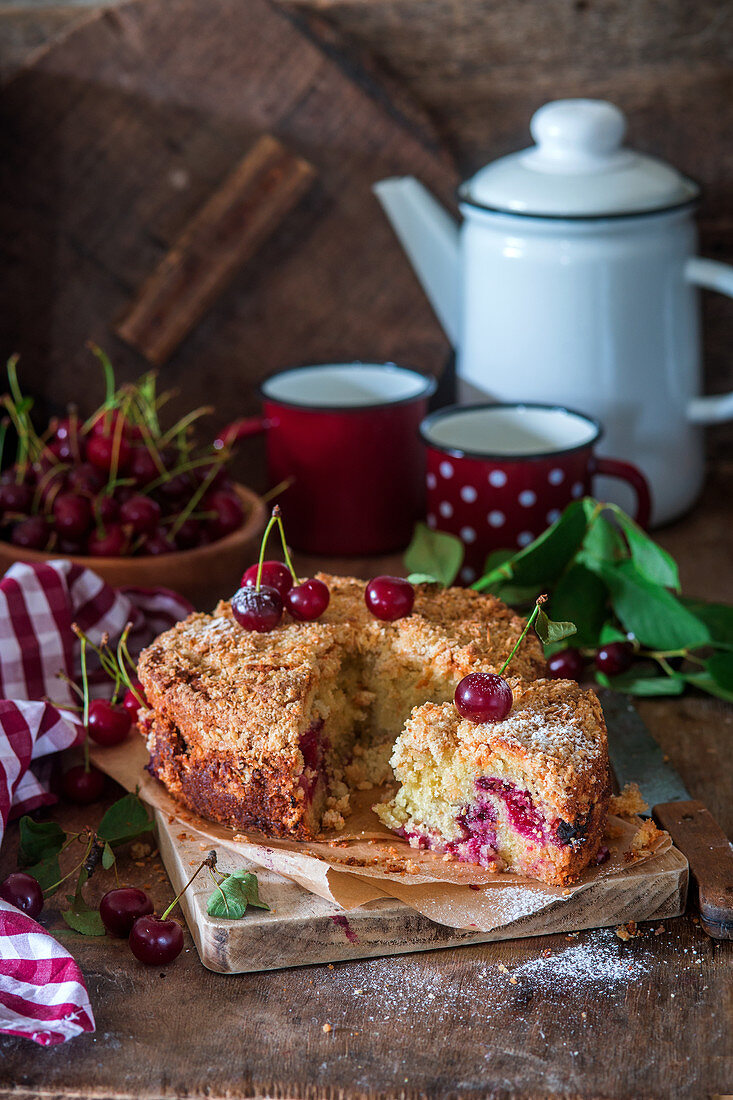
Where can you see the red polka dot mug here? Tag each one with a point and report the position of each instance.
(499, 475)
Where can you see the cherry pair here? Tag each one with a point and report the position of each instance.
(128, 913)
(270, 587)
(568, 664)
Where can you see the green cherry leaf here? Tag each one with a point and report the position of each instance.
(718, 618)
(643, 682)
(539, 565)
(609, 632)
(232, 896)
(603, 542)
(581, 597)
(39, 840)
(550, 632)
(422, 578)
(108, 856)
(82, 918)
(720, 668)
(124, 820)
(650, 559)
(653, 615)
(435, 554)
(47, 872)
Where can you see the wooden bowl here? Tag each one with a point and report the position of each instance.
(203, 575)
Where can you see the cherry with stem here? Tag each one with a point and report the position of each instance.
(157, 941)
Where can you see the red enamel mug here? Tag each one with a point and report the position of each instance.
(499, 475)
(345, 435)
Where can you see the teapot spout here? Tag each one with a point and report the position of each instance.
(430, 237)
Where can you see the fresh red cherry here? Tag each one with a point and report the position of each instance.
(85, 478)
(257, 609)
(614, 658)
(307, 601)
(111, 543)
(106, 509)
(108, 725)
(157, 543)
(229, 513)
(31, 534)
(389, 598)
(82, 786)
(142, 467)
(177, 488)
(73, 515)
(155, 941)
(108, 423)
(119, 909)
(274, 575)
(24, 892)
(102, 449)
(132, 703)
(141, 513)
(15, 497)
(566, 664)
(188, 534)
(483, 697)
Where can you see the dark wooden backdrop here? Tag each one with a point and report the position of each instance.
(479, 68)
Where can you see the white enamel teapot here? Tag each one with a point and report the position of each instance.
(573, 280)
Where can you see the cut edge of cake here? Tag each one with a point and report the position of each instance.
(529, 794)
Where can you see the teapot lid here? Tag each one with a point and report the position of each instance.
(578, 168)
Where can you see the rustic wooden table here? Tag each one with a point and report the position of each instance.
(587, 1015)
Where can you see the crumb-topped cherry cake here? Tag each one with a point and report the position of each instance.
(272, 727)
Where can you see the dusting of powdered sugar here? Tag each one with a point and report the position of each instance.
(418, 989)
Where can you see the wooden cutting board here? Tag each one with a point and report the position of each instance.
(303, 928)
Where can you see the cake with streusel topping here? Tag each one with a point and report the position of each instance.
(272, 731)
(528, 794)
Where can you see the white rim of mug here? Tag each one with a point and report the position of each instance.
(458, 452)
(429, 386)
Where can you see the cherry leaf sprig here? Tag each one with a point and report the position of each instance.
(234, 893)
(605, 574)
(42, 843)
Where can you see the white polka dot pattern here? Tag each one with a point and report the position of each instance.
(446, 509)
(577, 490)
(527, 498)
(432, 521)
(468, 534)
(525, 538)
(446, 470)
(553, 515)
(556, 476)
(468, 574)
(468, 493)
(496, 519)
(431, 480)
(497, 478)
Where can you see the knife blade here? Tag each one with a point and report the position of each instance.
(637, 758)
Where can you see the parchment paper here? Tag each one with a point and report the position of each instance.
(366, 861)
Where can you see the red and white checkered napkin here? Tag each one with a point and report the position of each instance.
(42, 991)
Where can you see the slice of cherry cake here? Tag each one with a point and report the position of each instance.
(529, 794)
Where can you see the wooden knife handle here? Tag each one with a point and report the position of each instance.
(697, 834)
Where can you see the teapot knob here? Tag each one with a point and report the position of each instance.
(577, 133)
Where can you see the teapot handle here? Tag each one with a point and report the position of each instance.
(712, 275)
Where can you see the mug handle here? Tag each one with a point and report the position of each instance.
(241, 429)
(713, 275)
(613, 467)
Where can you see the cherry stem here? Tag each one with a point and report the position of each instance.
(210, 862)
(85, 687)
(123, 659)
(278, 515)
(263, 545)
(538, 604)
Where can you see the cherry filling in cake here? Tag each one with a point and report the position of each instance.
(273, 731)
(529, 794)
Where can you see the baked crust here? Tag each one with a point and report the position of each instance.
(231, 710)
